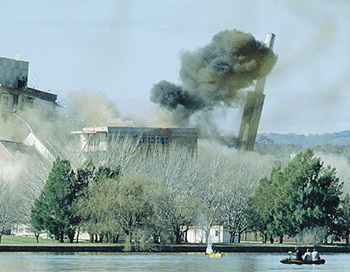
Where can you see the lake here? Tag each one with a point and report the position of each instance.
(41, 261)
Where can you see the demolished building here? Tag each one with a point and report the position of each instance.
(100, 138)
(15, 98)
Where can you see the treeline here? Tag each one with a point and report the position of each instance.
(153, 197)
(160, 195)
(305, 196)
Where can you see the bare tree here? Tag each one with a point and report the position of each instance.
(242, 178)
(11, 208)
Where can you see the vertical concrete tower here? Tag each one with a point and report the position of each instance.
(252, 110)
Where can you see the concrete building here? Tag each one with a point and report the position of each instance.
(15, 98)
(100, 138)
(217, 234)
(14, 93)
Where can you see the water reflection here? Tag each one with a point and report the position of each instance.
(248, 262)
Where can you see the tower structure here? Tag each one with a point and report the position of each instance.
(252, 110)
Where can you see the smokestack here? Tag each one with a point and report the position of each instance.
(253, 108)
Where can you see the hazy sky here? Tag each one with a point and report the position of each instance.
(122, 48)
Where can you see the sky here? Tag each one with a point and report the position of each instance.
(122, 48)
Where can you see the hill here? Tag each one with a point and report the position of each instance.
(311, 140)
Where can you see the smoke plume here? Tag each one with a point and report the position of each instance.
(214, 76)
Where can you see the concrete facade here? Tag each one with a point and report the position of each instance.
(14, 93)
(99, 138)
(14, 72)
(15, 98)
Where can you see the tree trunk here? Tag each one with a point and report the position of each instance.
(281, 239)
(185, 235)
(271, 240)
(78, 232)
(347, 239)
(37, 237)
(61, 237)
(325, 239)
(71, 235)
(177, 233)
(232, 237)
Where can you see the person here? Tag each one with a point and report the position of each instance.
(298, 255)
(315, 255)
(307, 256)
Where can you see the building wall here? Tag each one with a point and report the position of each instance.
(218, 234)
(11, 71)
(99, 138)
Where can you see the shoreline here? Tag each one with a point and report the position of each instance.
(170, 249)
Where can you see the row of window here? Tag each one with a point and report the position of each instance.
(152, 140)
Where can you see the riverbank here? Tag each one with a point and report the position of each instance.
(168, 248)
(10, 243)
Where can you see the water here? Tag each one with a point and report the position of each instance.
(247, 262)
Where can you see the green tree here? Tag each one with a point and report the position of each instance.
(302, 196)
(260, 209)
(56, 206)
(92, 205)
(344, 224)
(314, 193)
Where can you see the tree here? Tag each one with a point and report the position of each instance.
(240, 182)
(56, 205)
(260, 217)
(94, 206)
(303, 195)
(344, 224)
(131, 203)
(176, 170)
(11, 208)
(315, 192)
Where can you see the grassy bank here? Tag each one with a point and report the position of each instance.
(15, 243)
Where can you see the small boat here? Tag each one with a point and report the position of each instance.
(211, 253)
(215, 255)
(295, 261)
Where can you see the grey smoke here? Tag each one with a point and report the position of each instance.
(215, 75)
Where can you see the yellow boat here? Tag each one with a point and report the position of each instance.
(215, 255)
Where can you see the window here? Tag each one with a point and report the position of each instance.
(151, 140)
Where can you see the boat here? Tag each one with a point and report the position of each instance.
(295, 261)
(215, 255)
(211, 253)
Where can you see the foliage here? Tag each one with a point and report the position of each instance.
(303, 195)
(344, 222)
(55, 209)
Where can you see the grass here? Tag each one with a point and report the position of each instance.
(7, 240)
(31, 241)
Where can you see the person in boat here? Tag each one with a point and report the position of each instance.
(307, 256)
(298, 255)
(315, 255)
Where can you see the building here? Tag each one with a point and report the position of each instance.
(14, 93)
(217, 234)
(100, 138)
(15, 98)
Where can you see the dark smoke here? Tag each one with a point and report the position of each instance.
(176, 99)
(215, 75)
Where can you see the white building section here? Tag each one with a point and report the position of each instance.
(99, 138)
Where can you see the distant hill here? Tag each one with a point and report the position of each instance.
(336, 138)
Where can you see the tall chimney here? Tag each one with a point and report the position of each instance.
(253, 108)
